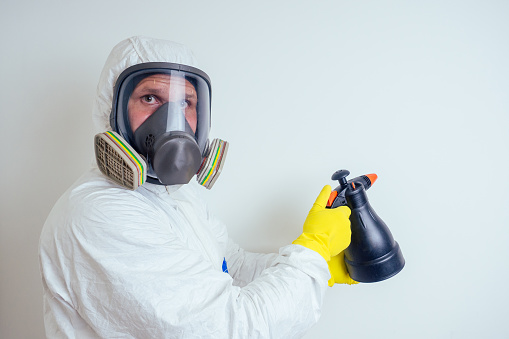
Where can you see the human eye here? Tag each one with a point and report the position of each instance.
(149, 99)
(184, 103)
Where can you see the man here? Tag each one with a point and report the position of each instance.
(152, 261)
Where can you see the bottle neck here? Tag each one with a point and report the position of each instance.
(356, 197)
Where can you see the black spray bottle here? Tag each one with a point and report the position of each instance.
(373, 254)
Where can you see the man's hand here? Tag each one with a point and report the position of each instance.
(338, 271)
(326, 231)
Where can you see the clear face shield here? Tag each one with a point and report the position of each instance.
(177, 100)
(162, 111)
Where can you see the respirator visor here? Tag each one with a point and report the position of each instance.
(174, 99)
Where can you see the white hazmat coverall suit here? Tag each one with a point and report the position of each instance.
(149, 263)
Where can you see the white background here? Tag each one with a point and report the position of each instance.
(415, 91)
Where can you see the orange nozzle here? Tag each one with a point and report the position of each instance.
(372, 177)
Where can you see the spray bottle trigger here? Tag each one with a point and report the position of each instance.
(332, 197)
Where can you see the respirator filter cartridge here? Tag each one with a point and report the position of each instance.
(119, 161)
(212, 165)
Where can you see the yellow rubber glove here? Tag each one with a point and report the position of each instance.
(338, 271)
(326, 230)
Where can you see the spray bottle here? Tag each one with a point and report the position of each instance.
(373, 254)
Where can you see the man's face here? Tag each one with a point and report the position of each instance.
(154, 91)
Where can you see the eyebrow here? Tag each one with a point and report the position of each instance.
(152, 90)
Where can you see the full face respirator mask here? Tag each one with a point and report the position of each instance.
(161, 121)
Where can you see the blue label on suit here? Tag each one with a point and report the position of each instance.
(225, 267)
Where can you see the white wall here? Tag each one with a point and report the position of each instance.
(414, 91)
